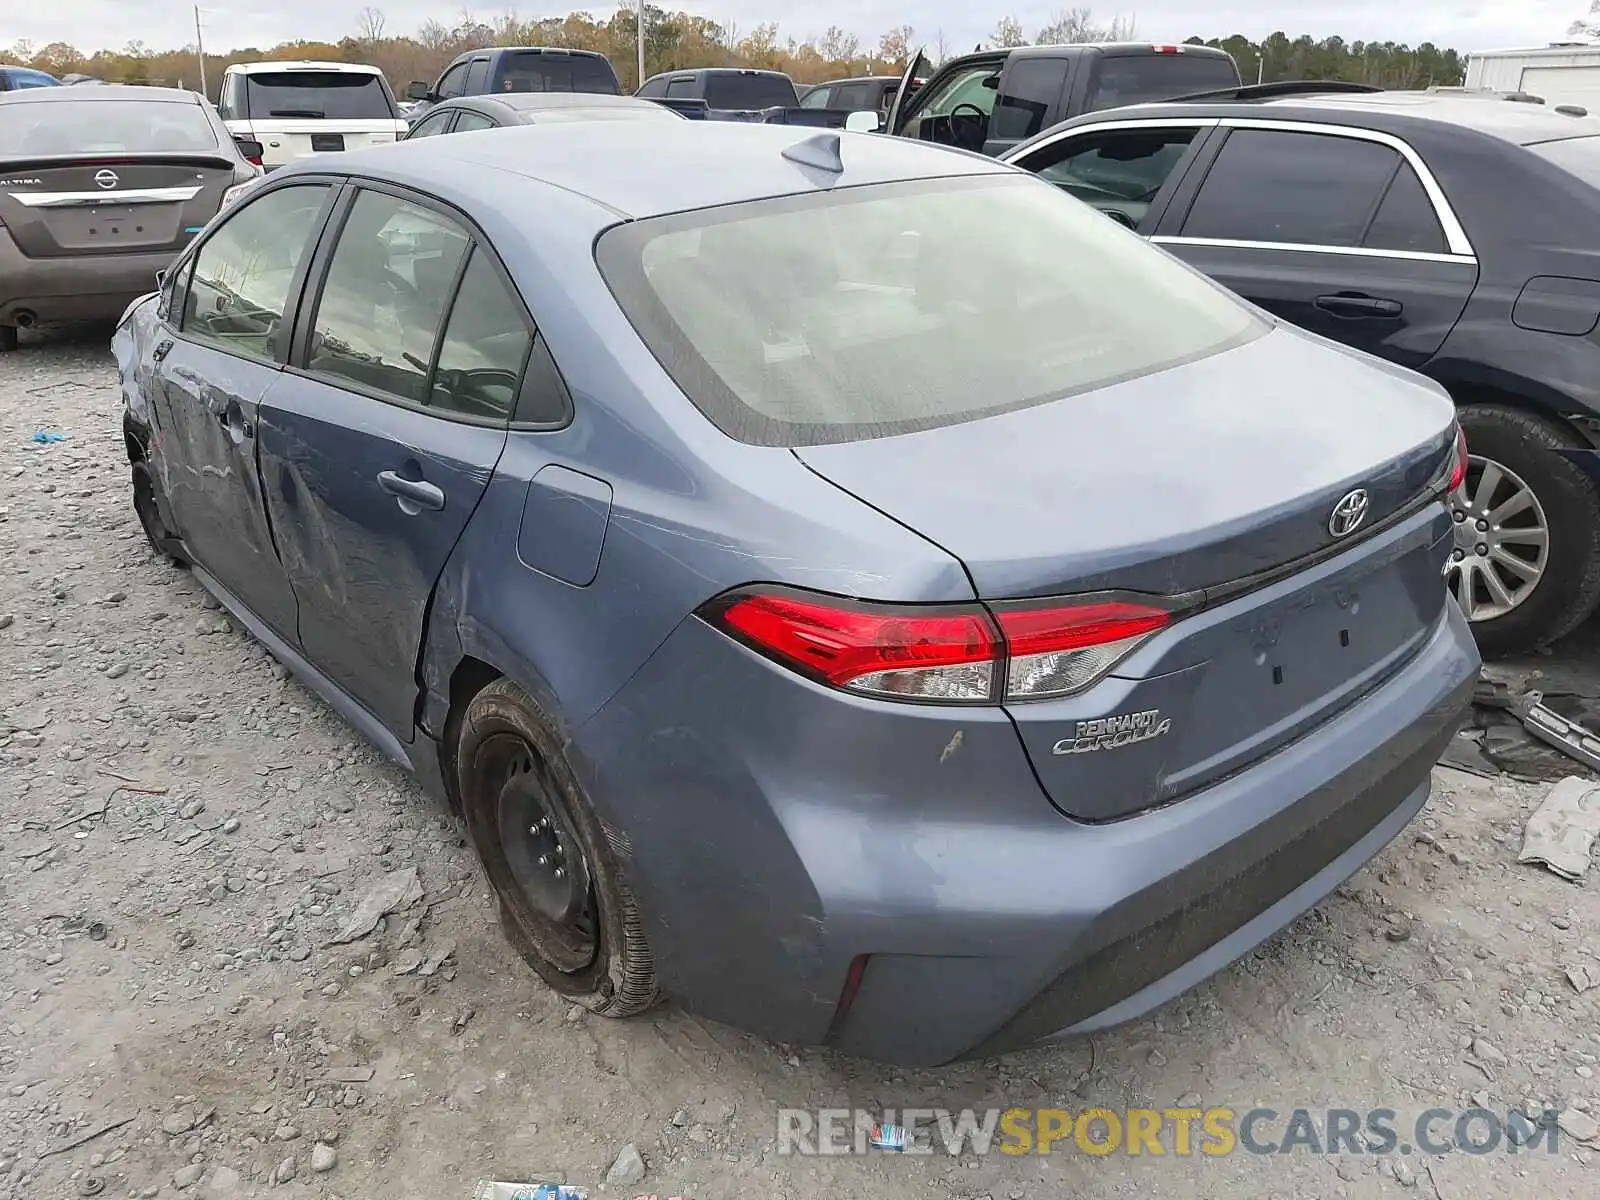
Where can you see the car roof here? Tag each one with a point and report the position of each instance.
(534, 101)
(109, 95)
(692, 164)
(256, 68)
(490, 51)
(1511, 121)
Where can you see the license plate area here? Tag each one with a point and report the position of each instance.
(112, 226)
(327, 141)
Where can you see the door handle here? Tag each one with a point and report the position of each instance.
(163, 348)
(232, 419)
(413, 494)
(1355, 304)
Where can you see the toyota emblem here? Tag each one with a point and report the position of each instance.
(1349, 513)
(106, 179)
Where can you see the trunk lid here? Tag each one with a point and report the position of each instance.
(1217, 480)
(111, 205)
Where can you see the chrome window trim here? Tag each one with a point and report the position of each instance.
(1311, 248)
(1458, 245)
(166, 195)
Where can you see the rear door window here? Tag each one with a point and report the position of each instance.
(477, 77)
(819, 97)
(318, 95)
(243, 272)
(682, 86)
(855, 97)
(1272, 185)
(384, 298)
(1029, 92)
(1141, 78)
(469, 120)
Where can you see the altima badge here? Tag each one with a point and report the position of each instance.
(1112, 733)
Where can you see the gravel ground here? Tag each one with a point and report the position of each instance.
(184, 831)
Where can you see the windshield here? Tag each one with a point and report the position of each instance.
(1143, 78)
(529, 72)
(1578, 156)
(67, 127)
(871, 311)
(315, 95)
(749, 91)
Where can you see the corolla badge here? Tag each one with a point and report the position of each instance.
(1349, 513)
(1114, 732)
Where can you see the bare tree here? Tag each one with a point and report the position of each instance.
(1077, 25)
(941, 46)
(1587, 27)
(369, 24)
(1008, 33)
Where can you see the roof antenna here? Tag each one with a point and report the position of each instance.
(821, 152)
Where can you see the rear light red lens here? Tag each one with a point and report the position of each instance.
(253, 159)
(953, 655)
(1167, 49)
(1458, 472)
(924, 654)
(1058, 650)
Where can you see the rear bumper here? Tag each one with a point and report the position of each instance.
(76, 288)
(775, 831)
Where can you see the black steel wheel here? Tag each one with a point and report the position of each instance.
(563, 901)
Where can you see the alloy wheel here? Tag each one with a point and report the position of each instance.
(1502, 541)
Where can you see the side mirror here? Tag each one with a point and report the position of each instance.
(865, 121)
(417, 90)
(250, 148)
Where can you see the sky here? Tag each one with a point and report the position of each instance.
(164, 24)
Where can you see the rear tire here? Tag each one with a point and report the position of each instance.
(162, 540)
(563, 903)
(8, 338)
(1523, 448)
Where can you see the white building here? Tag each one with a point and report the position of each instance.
(1560, 74)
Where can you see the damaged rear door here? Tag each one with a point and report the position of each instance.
(380, 438)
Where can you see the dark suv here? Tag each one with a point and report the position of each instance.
(1454, 235)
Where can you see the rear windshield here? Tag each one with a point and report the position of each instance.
(318, 94)
(68, 127)
(1143, 78)
(527, 72)
(1578, 156)
(870, 311)
(749, 91)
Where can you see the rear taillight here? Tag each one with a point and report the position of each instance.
(1458, 470)
(962, 654)
(1166, 49)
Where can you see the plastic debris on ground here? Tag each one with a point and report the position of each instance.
(44, 439)
(885, 1136)
(1562, 830)
(489, 1189)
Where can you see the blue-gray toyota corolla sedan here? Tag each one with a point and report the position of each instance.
(846, 586)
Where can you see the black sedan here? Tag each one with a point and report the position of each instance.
(535, 108)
